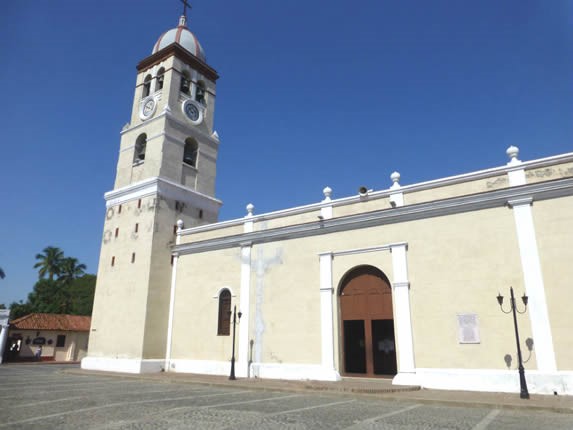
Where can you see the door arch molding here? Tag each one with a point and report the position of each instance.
(366, 321)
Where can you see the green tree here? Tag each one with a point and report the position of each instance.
(48, 297)
(19, 309)
(2, 306)
(71, 292)
(82, 291)
(70, 269)
(2, 274)
(50, 262)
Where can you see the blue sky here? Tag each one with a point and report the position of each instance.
(312, 93)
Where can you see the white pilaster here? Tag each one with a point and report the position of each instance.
(171, 308)
(534, 286)
(3, 337)
(402, 318)
(244, 306)
(326, 328)
(4, 324)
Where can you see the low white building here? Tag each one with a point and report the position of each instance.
(48, 337)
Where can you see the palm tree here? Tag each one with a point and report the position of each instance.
(2, 274)
(50, 262)
(70, 269)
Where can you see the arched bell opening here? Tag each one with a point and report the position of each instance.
(368, 344)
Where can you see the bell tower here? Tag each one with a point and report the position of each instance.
(165, 172)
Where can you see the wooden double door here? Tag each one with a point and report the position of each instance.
(367, 324)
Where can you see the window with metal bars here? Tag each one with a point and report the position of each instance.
(224, 325)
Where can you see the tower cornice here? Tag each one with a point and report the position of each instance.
(165, 188)
(176, 50)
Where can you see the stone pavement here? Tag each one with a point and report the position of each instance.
(379, 388)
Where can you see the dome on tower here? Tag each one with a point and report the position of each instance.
(183, 37)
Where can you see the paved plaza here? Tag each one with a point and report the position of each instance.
(51, 397)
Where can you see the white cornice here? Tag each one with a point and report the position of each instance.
(254, 218)
(359, 250)
(486, 200)
(458, 179)
(169, 116)
(379, 248)
(520, 201)
(164, 188)
(421, 186)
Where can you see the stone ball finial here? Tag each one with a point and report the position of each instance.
(179, 224)
(250, 209)
(327, 191)
(512, 152)
(395, 176)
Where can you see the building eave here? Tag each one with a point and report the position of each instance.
(449, 206)
(181, 53)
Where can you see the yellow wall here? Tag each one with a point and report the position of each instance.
(564, 170)
(200, 277)
(457, 264)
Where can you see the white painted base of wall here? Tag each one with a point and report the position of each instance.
(405, 378)
(257, 370)
(123, 365)
(312, 372)
(202, 367)
(505, 381)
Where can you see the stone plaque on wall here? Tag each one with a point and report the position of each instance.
(468, 328)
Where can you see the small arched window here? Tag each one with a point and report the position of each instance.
(200, 93)
(185, 83)
(146, 86)
(190, 152)
(140, 146)
(224, 324)
(160, 77)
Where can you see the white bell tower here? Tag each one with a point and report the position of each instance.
(165, 172)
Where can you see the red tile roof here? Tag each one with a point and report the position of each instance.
(57, 322)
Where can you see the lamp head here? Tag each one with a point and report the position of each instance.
(500, 299)
(525, 299)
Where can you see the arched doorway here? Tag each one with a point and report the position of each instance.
(367, 323)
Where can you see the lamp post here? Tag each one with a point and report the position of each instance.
(524, 394)
(235, 322)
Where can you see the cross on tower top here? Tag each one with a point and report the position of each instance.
(185, 6)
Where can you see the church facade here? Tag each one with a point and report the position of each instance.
(400, 282)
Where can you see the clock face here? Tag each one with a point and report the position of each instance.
(192, 111)
(147, 108)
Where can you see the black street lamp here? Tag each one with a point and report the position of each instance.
(522, 383)
(235, 322)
